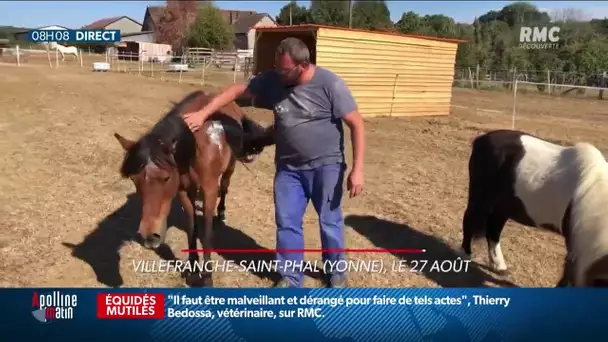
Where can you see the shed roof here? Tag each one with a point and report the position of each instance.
(314, 27)
(102, 23)
(244, 24)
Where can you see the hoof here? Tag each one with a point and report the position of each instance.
(199, 280)
(221, 216)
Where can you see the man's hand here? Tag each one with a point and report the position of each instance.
(354, 184)
(194, 120)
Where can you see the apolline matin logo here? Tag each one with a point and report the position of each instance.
(538, 37)
(53, 306)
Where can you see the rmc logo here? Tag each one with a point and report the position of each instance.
(536, 37)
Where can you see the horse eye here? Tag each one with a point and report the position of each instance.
(166, 179)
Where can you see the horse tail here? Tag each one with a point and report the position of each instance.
(484, 169)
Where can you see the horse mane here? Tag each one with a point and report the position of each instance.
(155, 146)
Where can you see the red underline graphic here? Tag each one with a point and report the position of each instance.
(307, 250)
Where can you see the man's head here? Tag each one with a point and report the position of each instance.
(292, 61)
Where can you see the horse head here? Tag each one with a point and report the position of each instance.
(151, 166)
(255, 138)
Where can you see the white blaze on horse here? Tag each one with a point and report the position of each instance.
(514, 175)
(65, 50)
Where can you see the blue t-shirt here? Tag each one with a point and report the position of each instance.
(307, 118)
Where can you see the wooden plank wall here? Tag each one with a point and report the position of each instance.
(391, 75)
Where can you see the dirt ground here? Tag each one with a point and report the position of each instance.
(68, 219)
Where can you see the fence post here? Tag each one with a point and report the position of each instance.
(236, 62)
(18, 57)
(56, 58)
(152, 69)
(204, 67)
(471, 78)
(180, 69)
(48, 56)
(548, 82)
(80, 55)
(514, 104)
(477, 77)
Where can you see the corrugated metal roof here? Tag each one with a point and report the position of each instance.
(314, 27)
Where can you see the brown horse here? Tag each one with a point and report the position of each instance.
(171, 161)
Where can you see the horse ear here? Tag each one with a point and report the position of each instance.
(124, 142)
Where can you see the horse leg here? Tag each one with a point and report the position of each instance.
(210, 192)
(187, 200)
(473, 223)
(478, 208)
(494, 226)
(223, 191)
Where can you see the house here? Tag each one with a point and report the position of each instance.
(22, 35)
(152, 18)
(154, 14)
(124, 24)
(244, 29)
(232, 16)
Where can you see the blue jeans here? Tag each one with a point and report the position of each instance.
(322, 186)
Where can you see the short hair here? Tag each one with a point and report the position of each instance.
(294, 48)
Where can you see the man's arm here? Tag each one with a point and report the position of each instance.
(235, 91)
(345, 108)
(357, 136)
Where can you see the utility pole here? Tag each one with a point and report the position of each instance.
(350, 13)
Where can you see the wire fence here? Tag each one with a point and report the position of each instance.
(520, 87)
(216, 69)
(560, 83)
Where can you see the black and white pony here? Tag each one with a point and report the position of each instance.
(514, 175)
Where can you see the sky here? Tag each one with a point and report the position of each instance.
(75, 14)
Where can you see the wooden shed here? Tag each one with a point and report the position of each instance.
(389, 74)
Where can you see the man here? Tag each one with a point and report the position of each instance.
(309, 104)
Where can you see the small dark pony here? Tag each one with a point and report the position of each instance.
(171, 161)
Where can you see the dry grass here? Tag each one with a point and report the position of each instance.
(68, 218)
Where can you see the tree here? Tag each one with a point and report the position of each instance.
(371, 15)
(210, 30)
(299, 15)
(326, 12)
(410, 22)
(173, 26)
(568, 14)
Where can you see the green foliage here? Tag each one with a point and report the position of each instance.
(371, 15)
(210, 30)
(8, 32)
(328, 12)
(493, 38)
(299, 15)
